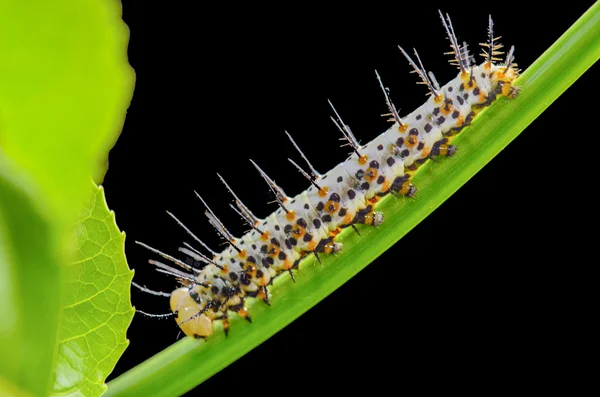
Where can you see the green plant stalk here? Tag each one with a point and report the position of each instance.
(188, 362)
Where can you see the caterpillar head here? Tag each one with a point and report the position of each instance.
(186, 310)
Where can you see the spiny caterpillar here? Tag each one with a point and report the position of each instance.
(345, 196)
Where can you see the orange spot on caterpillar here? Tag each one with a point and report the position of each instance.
(425, 153)
(438, 98)
(483, 98)
(225, 269)
(312, 246)
(323, 191)
(488, 65)
(298, 232)
(273, 251)
(445, 110)
(363, 159)
(265, 236)
(332, 206)
(242, 254)
(261, 294)
(290, 215)
(243, 312)
(403, 127)
(374, 199)
(372, 173)
(335, 232)
(460, 121)
(251, 270)
(348, 219)
(411, 141)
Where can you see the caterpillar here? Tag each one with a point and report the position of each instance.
(341, 198)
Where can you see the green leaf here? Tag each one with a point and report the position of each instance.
(65, 84)
(29, 275)
(188, 362)
(97, 309)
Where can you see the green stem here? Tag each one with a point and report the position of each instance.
(188, 362)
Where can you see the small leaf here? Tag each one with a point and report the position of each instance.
(97, 309)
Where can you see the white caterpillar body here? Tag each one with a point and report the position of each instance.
(343, 197)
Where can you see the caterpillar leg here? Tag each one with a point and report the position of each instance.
(242, 311)
(233, 303)
(503, 88)
(225, 320)
(441, 148)
(403, 186)
(329, 246)
(263, 294)
(295, 265)
(367, 216)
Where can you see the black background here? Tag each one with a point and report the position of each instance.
(482, 290)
